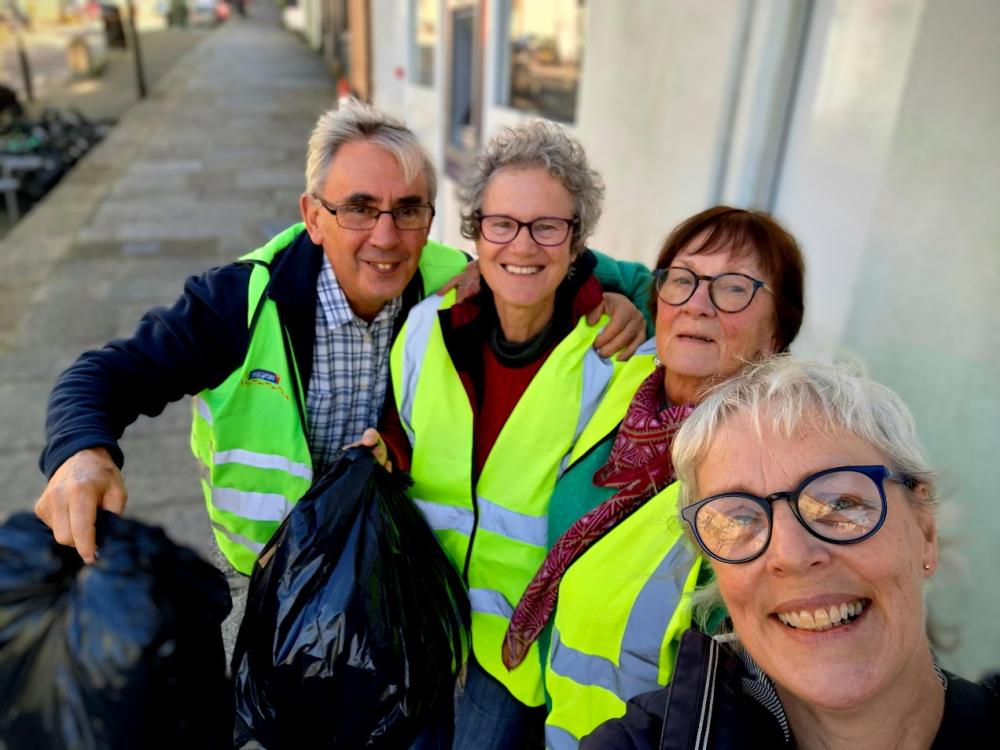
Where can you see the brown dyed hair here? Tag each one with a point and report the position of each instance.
(747, 233)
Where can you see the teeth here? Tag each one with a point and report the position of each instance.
(825, 618)
(383, 266)
(835, 617)
(522, 270)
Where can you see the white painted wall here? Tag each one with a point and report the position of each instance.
(925, 313)
(650, 113)
(854, 73)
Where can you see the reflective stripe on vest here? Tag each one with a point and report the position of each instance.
(250, 544)
(263, 461)
(489, 602)
(634, 673)
(492, 517)
(630, 613)
(505, 522)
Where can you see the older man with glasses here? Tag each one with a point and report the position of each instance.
(286, 349)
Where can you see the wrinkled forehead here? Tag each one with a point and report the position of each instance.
(739, 245)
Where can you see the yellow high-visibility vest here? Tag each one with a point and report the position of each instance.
(249, 433)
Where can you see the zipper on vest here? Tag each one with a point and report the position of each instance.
(475, 522)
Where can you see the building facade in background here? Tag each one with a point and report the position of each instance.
(870, 129)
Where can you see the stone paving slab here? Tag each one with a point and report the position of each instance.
(190, 178)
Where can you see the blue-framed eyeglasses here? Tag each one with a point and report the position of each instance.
(841, 505)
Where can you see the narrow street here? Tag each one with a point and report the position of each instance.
(203, 170)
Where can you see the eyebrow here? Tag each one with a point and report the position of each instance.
(355, 199)
(411, 200)
(682, 263)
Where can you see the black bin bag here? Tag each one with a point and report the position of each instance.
(125, 653)
(356, 621)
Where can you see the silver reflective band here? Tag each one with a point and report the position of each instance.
(638, 665)
(511, 524)
(557, 738)
(256, 506)
(597, 373)
(419, 325)
(203, 409)
(489, 602)
(239, 539)
(263, 461)
(446, 517)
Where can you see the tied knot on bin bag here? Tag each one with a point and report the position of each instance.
(356, 621)
(121, 654)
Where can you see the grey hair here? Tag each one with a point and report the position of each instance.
(353, 121)
(544, 144)
(782, 392)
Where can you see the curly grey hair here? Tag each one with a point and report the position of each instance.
(538, 143)
(353, 121)
(782, 392)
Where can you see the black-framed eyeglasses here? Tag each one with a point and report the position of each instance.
(360, 216)
(842, 505)
(547, 231)
(729, 292)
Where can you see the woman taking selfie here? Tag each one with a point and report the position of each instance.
(806, 488)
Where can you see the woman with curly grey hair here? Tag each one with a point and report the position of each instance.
(806, 488)
(492, 394)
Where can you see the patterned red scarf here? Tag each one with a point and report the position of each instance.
(639, 466)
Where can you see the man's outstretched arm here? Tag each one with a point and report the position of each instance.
(193, 345)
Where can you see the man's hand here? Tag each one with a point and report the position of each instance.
(624, 332)
(371, 439)
(86, 481)
(467, 282)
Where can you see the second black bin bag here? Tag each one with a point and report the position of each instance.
(356, 621)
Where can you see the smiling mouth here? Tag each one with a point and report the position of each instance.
(381, 266)
(695, 337)
(825, 618)
(521, 270)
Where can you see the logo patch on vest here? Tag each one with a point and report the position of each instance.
(266, 375)
(265, 378)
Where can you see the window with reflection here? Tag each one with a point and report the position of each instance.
(424, 20)
(543, 57)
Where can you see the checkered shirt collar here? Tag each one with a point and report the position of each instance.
(337, 310)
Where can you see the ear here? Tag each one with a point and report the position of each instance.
(773, 341)
(310, 209)
(928, 530)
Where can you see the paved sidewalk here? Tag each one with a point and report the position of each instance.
(192, 177)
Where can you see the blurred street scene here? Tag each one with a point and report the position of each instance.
(204, 169)
(870, 129)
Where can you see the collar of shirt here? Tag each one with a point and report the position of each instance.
(337, 310)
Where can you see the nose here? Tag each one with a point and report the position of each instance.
(384, 233)
(522, 242)
(700, 303)
(793, 550)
